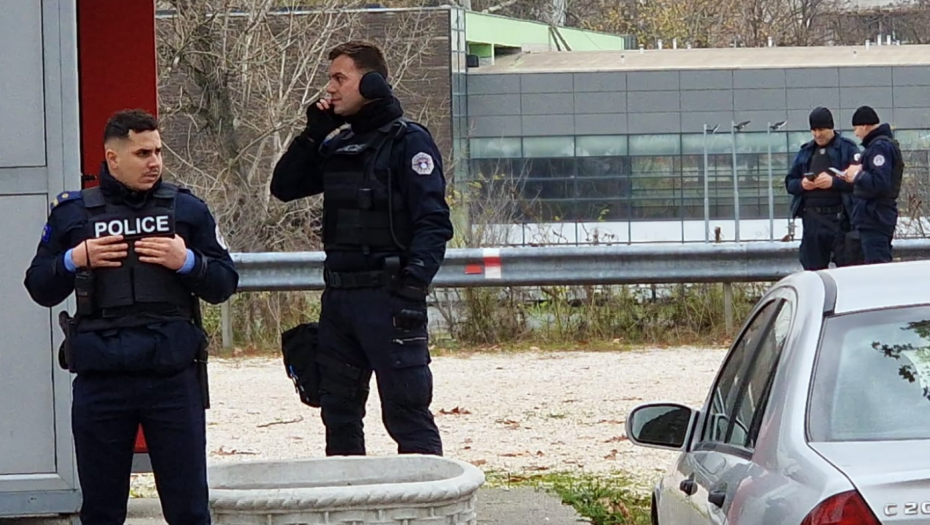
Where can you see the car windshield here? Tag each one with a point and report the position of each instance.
(872, 380)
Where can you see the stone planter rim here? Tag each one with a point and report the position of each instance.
(347, 497)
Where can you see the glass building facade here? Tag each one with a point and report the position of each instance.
(650, 177)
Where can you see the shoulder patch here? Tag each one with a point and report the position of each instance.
(46, 233)
(879, 160)
(63, 197)
(422, 163)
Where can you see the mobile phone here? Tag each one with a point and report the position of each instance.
(810, 176)
(838, 173)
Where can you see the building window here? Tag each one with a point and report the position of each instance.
(651, 177)
(548, 147)
(497, 148)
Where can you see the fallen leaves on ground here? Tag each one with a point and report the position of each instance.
(223, 452)
(457, 411)
(287, 422)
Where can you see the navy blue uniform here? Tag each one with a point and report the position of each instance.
(824, 213)
(374, 318)
(137, 375)
(875, 215)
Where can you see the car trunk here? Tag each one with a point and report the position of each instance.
(892, 476)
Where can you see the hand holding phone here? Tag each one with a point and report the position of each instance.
(321, 120)
(838, 173)
(807, 181)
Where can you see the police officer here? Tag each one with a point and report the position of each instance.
(877, 183)
(385, 228)
(139, 253)
(822, 199)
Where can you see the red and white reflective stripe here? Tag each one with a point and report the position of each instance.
(491, 264)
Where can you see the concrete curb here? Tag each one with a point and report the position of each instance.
(496, 506)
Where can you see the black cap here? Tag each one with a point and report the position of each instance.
(865, 116)
(821, 118)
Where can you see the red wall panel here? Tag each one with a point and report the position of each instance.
(117, 67)
(116, 70)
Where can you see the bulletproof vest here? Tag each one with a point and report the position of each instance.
(135, 293)
(897, 171)
(821, 162)
(363, 209)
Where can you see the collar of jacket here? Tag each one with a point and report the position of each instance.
(883, 130)
(375, 114)
(116, 192)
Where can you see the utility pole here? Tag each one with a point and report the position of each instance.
(559, 10)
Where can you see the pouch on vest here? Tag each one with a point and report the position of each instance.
(134, 288)
(361, 210)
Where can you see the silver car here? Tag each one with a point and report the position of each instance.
(819, 414)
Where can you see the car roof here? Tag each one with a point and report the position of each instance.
(877, 286)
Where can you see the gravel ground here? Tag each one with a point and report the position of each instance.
(517, 412)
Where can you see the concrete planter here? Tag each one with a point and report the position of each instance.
(397, 490)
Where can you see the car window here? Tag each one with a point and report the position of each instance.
(724, 392)
(872, 380)
(753, 397)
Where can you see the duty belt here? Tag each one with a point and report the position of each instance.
(372, 279)
(825, 210)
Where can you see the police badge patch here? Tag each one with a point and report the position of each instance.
(422, 163)
(879, 160)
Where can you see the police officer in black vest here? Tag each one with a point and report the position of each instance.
(877, 183)
(139, 253)
(822, 199)
(385, 228)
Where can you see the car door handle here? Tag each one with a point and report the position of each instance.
(717, 497)
(688, 486)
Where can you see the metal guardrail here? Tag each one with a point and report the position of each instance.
(568, 265)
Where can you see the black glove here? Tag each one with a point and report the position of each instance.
(410, 318)
(410, 311)
(321, 123)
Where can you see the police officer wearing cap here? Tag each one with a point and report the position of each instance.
(877, 183)
(138, 253)
(822, 199)
(385, 227)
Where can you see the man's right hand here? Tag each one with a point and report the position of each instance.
(321, 121)
(807, 184)
(104, 252)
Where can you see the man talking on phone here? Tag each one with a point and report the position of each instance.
(822, 198)
(385, 227)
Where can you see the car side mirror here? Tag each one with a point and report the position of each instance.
(660, 425)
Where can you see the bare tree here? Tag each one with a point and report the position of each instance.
(235, 79)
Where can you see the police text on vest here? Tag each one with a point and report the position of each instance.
(159, 224)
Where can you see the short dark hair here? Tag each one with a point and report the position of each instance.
(122, 122)
(366, 55)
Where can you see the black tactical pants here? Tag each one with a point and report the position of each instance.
(820, 240)
(357, 328)
(107, 410)
(876, 246)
